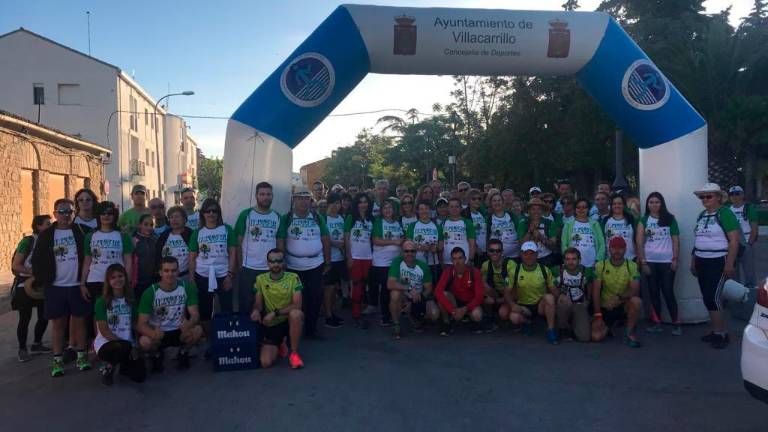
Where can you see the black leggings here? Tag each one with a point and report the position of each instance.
(378, 293)
(25, 316)
(118, 352)
(711, 280)
(661, 281)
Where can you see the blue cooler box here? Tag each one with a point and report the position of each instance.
(236, 342)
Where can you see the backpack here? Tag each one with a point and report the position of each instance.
(504, 273)
(583, 270)
(26, 255)
(742, 247)
(517, 273)
(450, 275)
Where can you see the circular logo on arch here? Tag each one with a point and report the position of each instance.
(644, 87)
(308, 80)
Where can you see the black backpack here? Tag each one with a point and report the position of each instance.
(517, 273)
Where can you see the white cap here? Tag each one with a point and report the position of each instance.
(529, 246)
(301, 191)
(735, 189)
(709, 188)
(534, 189)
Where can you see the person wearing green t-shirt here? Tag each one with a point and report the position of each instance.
(532, 292)
(616, 294)
(496, 272)
(169, 316)
(130, 218)
(715, 250)
(573, 282)
(277, 306)
(388, 236)
(746, 214)
(457, 232)
(410, 281)
(115, 315)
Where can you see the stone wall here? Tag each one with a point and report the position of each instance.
(22, 151)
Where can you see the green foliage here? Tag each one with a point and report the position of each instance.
(210, 172)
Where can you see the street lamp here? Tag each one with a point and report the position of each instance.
(452, 163)
(157, 138)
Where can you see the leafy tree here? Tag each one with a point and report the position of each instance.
(210, 172)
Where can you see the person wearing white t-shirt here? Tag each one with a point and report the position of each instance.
(56, 263)
(332, 280)
(620, 223)
(358, 227)
(212, 260)
(256, 230)
(175, 242)
(408, 210)
(602, 207)
(426, 234)
(188, 202)
(584, 234)
(388, 236)
(303, 236)
(457, 232)
(115, 314)
(475, 213)
(502, 226)
(746, 214)
(658, 250)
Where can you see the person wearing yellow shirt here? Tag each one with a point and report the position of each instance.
(616, 294)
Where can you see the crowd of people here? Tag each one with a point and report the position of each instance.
(130, 285)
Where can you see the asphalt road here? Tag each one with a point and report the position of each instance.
(359, 380)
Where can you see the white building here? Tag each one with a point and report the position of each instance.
(62, 88)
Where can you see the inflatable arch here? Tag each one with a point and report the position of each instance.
(355, 40)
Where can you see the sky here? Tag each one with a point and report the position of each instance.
(223, 50)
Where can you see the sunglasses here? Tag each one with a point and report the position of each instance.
(275, 261)
(494, 251)
(65, 212)
(409, 250)
(706, 197)
(210, 211)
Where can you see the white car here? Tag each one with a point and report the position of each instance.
(754, 348)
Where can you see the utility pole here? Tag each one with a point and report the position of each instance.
(619, 183)
(88, 16)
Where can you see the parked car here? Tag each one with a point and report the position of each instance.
(754, 348)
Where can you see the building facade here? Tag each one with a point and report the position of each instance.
(52, 84)
(313, 172)
(181, 158)
(39, 165)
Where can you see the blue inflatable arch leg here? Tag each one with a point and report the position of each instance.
(355, 40)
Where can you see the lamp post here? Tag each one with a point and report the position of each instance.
(157, 136)
(452, 163)
(619, 183)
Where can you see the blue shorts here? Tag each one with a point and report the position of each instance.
(61, 302)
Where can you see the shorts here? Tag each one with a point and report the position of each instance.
(615, 315)
(61, 302)
(95, 289)
(274, 335)
(533, 309)
(171, 339)
(336, 274)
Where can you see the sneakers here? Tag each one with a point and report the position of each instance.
(282, 350)
(630, 340)
(333, 322)
(82, 363)
(552, 336)
(157, 362)
(677, 330)
(182, 360)
(656, 328)
(370, 310)
(106, 375)
(295, 361)
(39, 348)
(445, 329)
(24, 356)
(396, 332)
(720, 341)
(57, 368)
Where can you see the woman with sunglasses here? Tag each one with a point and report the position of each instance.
(715, 247)
(85, 201)
(407, 211)
(388, 236)
(502, 226)
(620, 223)
(103, 247)
(358, 227)
(212, 260)
(585, 234)
(425, 235)
(658, 249)
(175, 242)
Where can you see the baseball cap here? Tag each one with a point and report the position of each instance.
(529, 246)
(139, 188)
(617, 242)
(301, 191)
(736, 189)
(534, 190)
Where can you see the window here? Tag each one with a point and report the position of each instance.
(134, 112)
(38, 94)
(153, 121)
(134, 148)
(146, 117)
(69, 94)
(146, 156)
(153, 159)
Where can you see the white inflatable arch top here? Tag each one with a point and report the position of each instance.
(355, 40)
